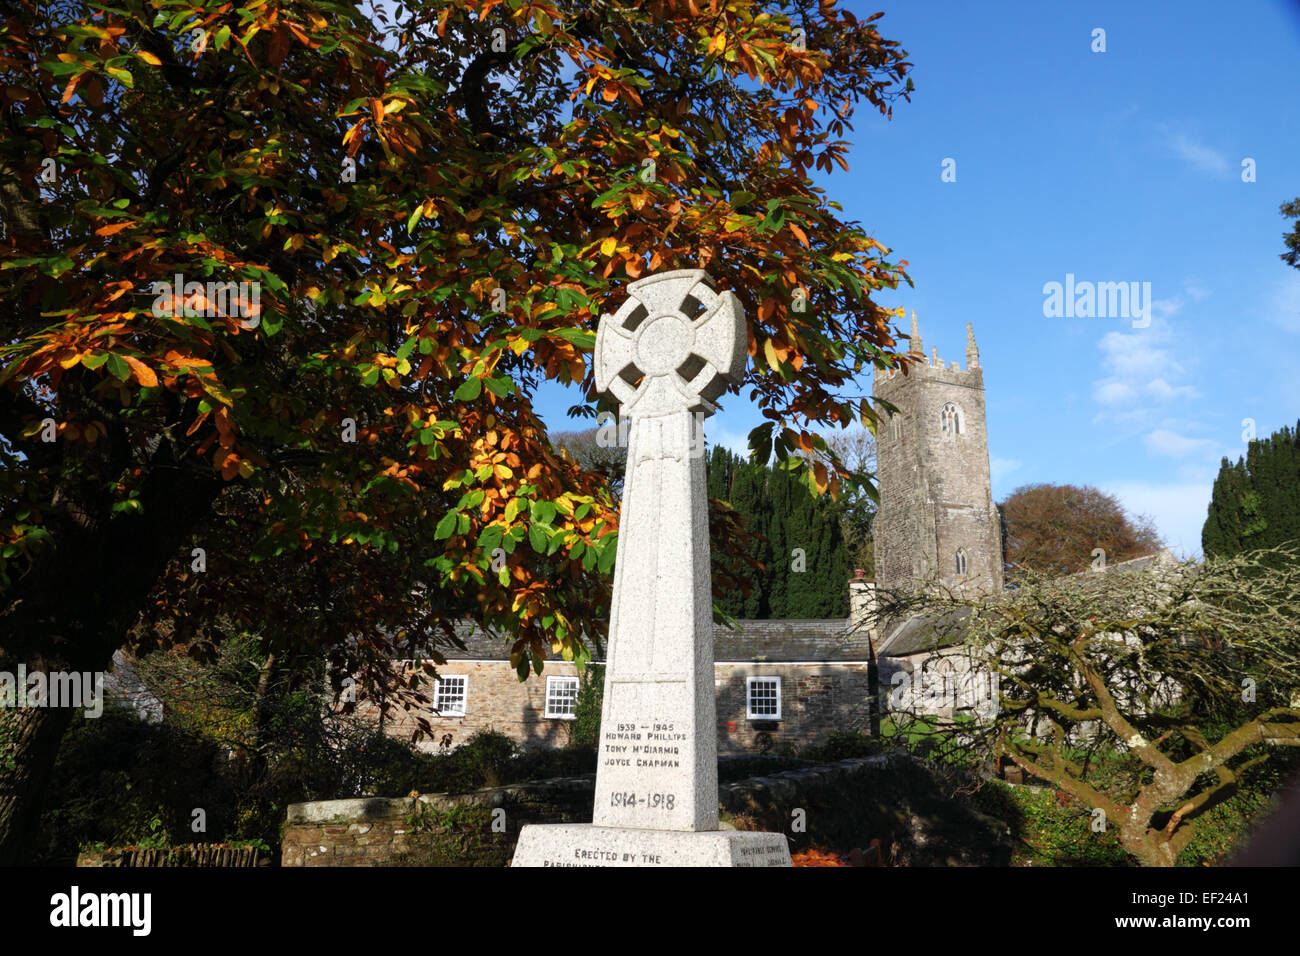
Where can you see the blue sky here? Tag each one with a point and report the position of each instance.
(1122, 166)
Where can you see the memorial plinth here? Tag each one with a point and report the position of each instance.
(664, 356)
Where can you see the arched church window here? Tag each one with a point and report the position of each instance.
(950, 420)
(942, 685)
(961, 562)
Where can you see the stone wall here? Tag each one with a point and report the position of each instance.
(495, 700)
(816, 699)
(469, 829)
(893, 798)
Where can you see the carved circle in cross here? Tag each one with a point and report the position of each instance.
(663, 343)
(675, 343)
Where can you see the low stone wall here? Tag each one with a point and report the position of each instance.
(893, 798)
(478, 828)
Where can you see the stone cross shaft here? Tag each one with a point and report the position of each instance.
(665, 356)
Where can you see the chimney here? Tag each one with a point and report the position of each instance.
(862, 603)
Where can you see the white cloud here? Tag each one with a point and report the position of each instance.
(1200, 156)
(1162, 441)
(1178, 510)
(1137, 368)
(1162, 391)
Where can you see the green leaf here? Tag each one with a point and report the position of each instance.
(469, 390)
(445, 526)
(760, 443)
(500, 387)
(118, 368)
(582, 339)
(122, 76)
(95, 361)
(537, 538)
(608, 552)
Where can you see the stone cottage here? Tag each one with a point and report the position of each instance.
(776, 682)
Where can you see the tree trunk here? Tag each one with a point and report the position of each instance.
(29, 742)
(80, 601)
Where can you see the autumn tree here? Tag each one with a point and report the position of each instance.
(343, 455)
(1059, 529)
(1149, 696)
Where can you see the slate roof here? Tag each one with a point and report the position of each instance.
(926, 632)
(759, 641)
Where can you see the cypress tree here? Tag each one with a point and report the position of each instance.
(788, 515)
(1255, 502)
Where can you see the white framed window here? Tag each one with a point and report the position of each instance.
(961, 562)
(562, 697)
(449, 695)
(764, 698)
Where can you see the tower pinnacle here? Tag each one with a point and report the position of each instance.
(916, 348)
(972, 350)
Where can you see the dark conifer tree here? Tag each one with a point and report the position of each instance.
(1255, 502)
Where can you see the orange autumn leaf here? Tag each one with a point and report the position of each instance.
(143, 373)
(820, 477)
(113, 230)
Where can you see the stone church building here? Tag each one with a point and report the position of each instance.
(795, 681)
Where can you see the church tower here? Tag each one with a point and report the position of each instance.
(937, 521)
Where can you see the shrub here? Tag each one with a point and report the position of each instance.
(845, 745)
(585, 729)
